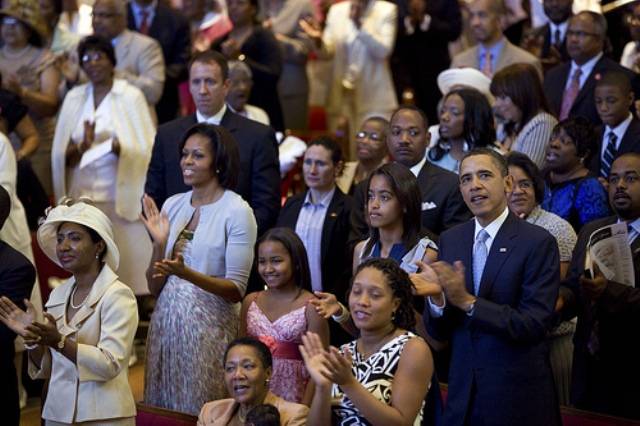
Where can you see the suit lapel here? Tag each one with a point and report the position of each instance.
(100, 286)
(123, 46)
(501, 249)
(466, 254)
(631, 139)
(228, 121)
(333, 212)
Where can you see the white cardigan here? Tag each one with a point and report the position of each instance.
(97, 386)
(135, 132)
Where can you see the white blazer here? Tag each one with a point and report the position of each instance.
(374, 89)
(97, 386)
(135, 131)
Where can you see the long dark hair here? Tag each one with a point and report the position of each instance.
(294, 246)
(478, 130)
(521, 83)
(405, 187)
(401, 287)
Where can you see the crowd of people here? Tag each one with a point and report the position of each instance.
(474, 158)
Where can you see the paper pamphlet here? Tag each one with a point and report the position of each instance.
(609, 249)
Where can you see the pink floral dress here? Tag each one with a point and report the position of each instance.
(282, 336)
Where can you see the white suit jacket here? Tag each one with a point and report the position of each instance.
(374, 89)
(135, 131)
(97, 386)
(139, 60)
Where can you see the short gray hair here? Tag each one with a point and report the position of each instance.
(241, 67)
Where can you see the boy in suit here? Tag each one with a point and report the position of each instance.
(620, 132)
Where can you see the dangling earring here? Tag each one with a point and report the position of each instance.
(393, 316)
(97, 255)
(267, 381)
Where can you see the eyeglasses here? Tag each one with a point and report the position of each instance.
(633, 21)
(8, 20)
(371, 135)
(92, 56)
(581, 34)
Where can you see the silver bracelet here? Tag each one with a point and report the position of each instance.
(31, 347)
(343, 317)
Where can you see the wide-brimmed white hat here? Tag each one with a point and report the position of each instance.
(83, 214)
(470, 77)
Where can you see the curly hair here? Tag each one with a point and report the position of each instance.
(401, 287)
(261, 349)
(583, 135)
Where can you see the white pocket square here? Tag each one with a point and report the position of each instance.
(428, 205)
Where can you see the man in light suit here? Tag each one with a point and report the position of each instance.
(493, 51)
(569, 86)
(259, 178)
(442, 205)
(17, 276)
(169, 28)
(606, 371)
(499, 277)
(359, 36)
(138, 57)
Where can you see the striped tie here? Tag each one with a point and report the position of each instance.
(609, 155)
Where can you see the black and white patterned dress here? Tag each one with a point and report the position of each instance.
(375, 374)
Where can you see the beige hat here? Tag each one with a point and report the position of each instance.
(83, 214)
(469, 77)
(28, 13)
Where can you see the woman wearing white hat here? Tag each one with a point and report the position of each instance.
(85, 342)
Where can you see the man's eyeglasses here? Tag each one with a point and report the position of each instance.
(371, 135)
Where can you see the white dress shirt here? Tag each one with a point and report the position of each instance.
(214, 119)
(586, 69)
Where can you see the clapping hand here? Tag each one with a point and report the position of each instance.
(425, 282)
(88, 136)
(311, 28)
(231, 48)
(12, 83)
(157, 223)
(16, 319)
(46, 333)
(452, 280)
(339, 366)
(326, 304)
(315, 359)
(167, 267)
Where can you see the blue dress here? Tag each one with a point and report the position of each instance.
(578, 201)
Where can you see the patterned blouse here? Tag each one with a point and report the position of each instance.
(578, 201)
(558, 227)
(375, 374)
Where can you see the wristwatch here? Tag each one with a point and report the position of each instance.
(61, 343)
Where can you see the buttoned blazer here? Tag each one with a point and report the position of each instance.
(499, 352)
(259, 174)
(220, 412)
(607, 381)
(584, 105)
(139, 60)
(510, 54)
(335, 257)
(97, 386)
(630, 143)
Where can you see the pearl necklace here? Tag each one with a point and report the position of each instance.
(15, 55)
(73, 294)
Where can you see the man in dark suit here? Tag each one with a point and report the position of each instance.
(606, 371)
(17, 276)
(442, 204)
(172, 31)
(548, 41)
(620, 132)
(500, 277)
(569, 86)
(421, 53)
(259, 178)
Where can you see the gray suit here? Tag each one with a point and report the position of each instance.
(510, 54)
(139, 60)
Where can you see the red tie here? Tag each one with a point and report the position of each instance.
(144, 24)
(570, 94)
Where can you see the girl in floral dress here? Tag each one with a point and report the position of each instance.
(279, 316)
